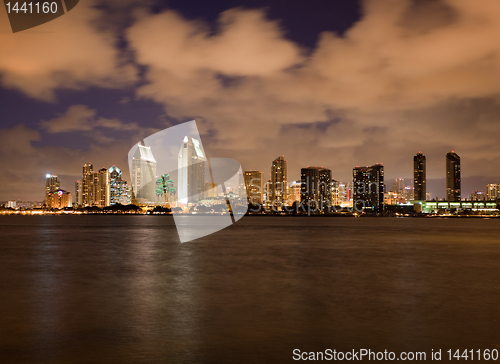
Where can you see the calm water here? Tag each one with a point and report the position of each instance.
(122, 289)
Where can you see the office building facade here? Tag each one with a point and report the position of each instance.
(279, 183)
(419, 177)
(78, 193)
(51, 184)
(120, 191)
(87, 185)
(316, 187)
(144, 175)
(368, 188)
(191, 171)
(102, 188)
(398, 186)
(294, 192)
(493, 191)
(59, 199)
(254, 184)
(453, 177)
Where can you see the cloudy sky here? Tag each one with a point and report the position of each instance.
(331, 83)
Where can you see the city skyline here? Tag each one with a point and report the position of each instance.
(249, 181)
(106, 186)
(362, 83)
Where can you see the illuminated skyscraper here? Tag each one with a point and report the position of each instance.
(144, 175)
(316, 186)
(398, 186)
(453, 177)
(368, 188)
(335, 193)
(87, 184)
(51, 184)
(102, 188)
(279, 184)
(294, 192)
(493, 191)
(59, 199)
(191, 171)
(325, 184)
(211, 191)
(267, 193)
(120, 192)
(419, 177)
(409, 194)
(254, 185)
(309, 181)
(78, 193)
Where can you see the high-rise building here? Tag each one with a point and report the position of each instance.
(102, 188)
(345, 194)
(59, 199)
(335, 193)
(453, 177)
(211, 191)
(294, 192)
(409, 193)
(267, 193)
(419, 177)
(87, 185)
(398, 186)
(120, 191)
(325, 184)
(51, 184)
(368, 188)
(191, 171)
(279, 184)
(316, 185)
(493, 191)
(254, 184)
(309, 183)
(78, 193)
(144, 175)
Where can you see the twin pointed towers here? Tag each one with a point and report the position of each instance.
(171, 167)
(190, 173)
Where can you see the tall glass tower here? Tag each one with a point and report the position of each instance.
(102, 189)
(368, 188)
(119, 189)
(191, 171)
(254, 184)
(51, 184)
(144, 175)
(87, 185)
(316, 185)
(453, 177)
(419, 177)
(279, 183)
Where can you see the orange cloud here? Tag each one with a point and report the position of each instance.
(68, 52)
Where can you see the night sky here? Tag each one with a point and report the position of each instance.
(327, 83)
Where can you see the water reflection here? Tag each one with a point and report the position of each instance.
(123, 289)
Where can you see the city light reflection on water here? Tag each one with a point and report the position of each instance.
(118, 289)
